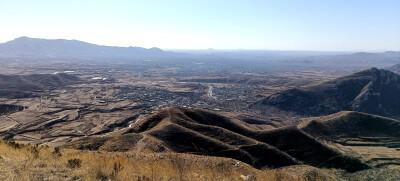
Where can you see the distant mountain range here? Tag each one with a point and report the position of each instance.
(362, 57)
(72, 49)
(374, 91)
(34, 48)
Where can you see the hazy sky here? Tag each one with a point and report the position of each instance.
(198, 24)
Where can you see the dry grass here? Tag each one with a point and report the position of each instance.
(30, 162)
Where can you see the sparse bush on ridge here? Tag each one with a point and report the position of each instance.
(74, 163)
(14, 145)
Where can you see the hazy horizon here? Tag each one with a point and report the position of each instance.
(311, 25)
(214, 49)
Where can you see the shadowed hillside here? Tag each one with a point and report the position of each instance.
(203, 132)
(372, 90)
(20, 86)
(360, 132)
(351, 124)
(107, 143)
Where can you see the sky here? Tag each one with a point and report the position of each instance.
(321, 25)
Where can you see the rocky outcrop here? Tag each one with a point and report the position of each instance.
(372, 90)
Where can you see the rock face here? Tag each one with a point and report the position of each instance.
(22, 86)
(372, 90)
(395, 68)
(60, 48)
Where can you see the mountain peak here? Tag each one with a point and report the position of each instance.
(22, 37)
(370, 69)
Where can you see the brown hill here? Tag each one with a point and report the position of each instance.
(350, 123)
(20, 86)
(203, 132)
(372, 90)
(373, 139)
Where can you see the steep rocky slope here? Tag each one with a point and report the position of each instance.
(372, 90)
(395, 68)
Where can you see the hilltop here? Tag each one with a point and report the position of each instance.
(372, 90)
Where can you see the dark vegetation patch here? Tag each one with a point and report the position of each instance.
(23, 86)
(8, 109)
(353, 124)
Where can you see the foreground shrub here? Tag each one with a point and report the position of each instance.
(74, 163)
